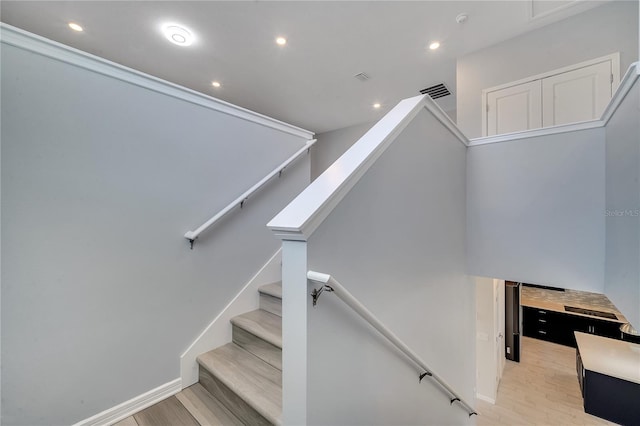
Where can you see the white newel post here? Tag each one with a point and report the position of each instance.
(294, 332)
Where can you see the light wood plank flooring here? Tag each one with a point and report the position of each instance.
(542, 389)
(192, 406)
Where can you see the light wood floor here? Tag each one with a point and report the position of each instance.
(193, 406)
(542, 389)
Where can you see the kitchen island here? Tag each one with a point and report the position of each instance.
(609, 377)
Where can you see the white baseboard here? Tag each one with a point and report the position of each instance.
(132, 406)
(485, 398)
(218, 332)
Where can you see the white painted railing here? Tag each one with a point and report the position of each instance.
(193, 235)
(330, 284)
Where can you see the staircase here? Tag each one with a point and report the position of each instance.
(245, 376)
(240, 383)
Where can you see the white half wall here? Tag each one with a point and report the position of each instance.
(554, 46)
(103, 171)
(396, 242)
(622, 272)
(536, 210)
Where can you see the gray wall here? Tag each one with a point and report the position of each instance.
(622, 272)
(397, 243)
(600, 31)
(536, 210)
(100, 180)
(331, 145)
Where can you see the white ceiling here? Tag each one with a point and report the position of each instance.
(309, 82)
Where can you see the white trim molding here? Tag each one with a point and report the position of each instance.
(621, 92)
(485, 398)
(134, 405)
(534, 133)
(34, 43)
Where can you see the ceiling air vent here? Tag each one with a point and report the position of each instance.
(437, 91)
(362, 76)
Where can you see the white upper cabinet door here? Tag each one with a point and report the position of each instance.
(578, 95)
(514, 108)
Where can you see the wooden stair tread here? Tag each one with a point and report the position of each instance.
(273, 289)
(256, 382)
(262, 324)
(206, 409)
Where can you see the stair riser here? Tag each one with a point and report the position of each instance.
(264, 350)
(271, 304)
(232, 401)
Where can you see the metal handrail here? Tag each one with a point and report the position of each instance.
(330, 284)
(193, 235)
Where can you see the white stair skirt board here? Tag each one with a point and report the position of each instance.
(485, 398)
(218, 332)
(132, 406)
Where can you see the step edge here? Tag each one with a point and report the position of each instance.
(196, 413)
(231, 385)
(269, 337)
(266, 289)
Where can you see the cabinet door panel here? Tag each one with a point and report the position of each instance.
(514, 109)
(578, 95)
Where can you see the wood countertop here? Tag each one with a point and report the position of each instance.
(615, 358)
(553, 300)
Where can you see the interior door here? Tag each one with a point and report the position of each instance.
(514, 108)
(578, 95)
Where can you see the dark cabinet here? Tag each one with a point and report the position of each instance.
(608, 397)
(598, 327)
(558, 327)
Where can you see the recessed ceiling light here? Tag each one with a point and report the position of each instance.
(281, 41)
(216, 84)
(434, 45)
(376, 105)
(177, 34)
(75, 27)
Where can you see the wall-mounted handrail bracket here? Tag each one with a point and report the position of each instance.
(191, 241)
(454, 400)
(423, 375)
(318, 291)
